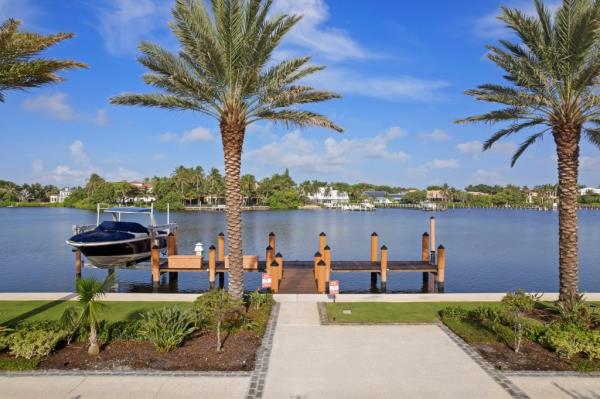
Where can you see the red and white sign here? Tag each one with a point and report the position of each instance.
(334, 287)
(266, 280)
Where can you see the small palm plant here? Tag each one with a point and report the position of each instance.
(89, 292)
(225, 70)
(20, 66)
(552, 76)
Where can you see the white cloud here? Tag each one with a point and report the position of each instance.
(435, 135)
(56, 106)
(443, 164)
(399, 88)
(590, 163)
(78, 153)
(471, 148)
(474, 148)
(196, 134)
(487, 175)
(309, 32)
(53, 106)
(293, 150)
(80, 167)
(489, 26)
(101, 118)
(124, 23)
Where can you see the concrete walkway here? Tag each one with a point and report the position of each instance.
(559, 387)
(309, 360)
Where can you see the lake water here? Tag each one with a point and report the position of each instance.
(487, 250)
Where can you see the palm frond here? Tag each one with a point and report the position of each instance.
(524, 145)
(514, 128)
(298, 118)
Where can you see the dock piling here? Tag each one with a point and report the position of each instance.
(322, 242)
(269, 257)
(384, 265)
(321, 277)
(374, 245)
(212, 265)
(221, 247)
(273, 241)
(78, 263)
(172, 250)
(441, 264)
(425, 255)
(274, 277)
(155, 265)
(327, 259)
(432, 239)
(279, 260)
(317, 258)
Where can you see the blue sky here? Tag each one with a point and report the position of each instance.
(401, 67)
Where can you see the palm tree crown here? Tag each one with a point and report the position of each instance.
(19, 66)
(552, 74)
(222, 69)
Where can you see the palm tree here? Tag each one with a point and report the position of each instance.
(552, 78)
(225, 69)
(89, 291)
(20, 68)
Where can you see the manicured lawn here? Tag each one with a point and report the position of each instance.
(403, 312)
(12, 312)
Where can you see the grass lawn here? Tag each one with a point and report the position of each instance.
(12, 312)
(385, 312)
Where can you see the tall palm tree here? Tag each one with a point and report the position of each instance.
(225, 69)
(20, 67)
(552, 79)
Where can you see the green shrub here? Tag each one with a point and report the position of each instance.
(4, 342)
(35, 343)
(258, 299)
(570, 339)
(575, 310)
(519, 301)
(167, 327)
(218, 309)
(18, 364)
(454, 313)
(119, 330)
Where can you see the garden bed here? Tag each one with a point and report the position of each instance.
(196, 354)
(173, 337)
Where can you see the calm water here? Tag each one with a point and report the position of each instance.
(487, 250)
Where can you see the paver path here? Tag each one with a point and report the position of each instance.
(559, 387)
(410, 361)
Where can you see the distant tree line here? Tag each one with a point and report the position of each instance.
(194, 186)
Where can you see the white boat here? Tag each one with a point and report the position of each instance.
(428, 206)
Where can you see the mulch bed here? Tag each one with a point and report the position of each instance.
(532, 356)
(198, 353)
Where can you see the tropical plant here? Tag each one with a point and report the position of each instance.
(89, 291)
(167, 327)
(552, 80)
(224, 69)
(34, 343)
(20, 66)
(216, 307)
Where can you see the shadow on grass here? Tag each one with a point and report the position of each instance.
(38, 310)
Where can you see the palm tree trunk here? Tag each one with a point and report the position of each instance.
(233, 138)
(567, 147)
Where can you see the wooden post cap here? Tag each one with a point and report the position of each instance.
(212, 248)
(441, 247)
(327, 248)
(221, 234)
(426, 234)
(322, 234)
(383, 248)
(274, 263)
(279, 255)
(317, 254)
(269, 248)
(433, 217)
(321, 263)
(373, 234)
(271, 234)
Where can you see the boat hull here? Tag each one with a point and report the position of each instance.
(119, 253)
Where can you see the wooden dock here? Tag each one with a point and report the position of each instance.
(303, 276)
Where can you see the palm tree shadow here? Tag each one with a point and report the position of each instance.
(575, 394)
(38, 310)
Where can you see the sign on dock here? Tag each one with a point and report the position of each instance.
(334, 287)
(266, 280)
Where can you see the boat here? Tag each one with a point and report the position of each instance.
(428, 206)
(117, 243)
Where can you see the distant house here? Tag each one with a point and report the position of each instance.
(328, 196)
(476, 193)
(589, 190)
(62, 195)
(531, 194)
(398, 197)
(379, 197)
(436, 195)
